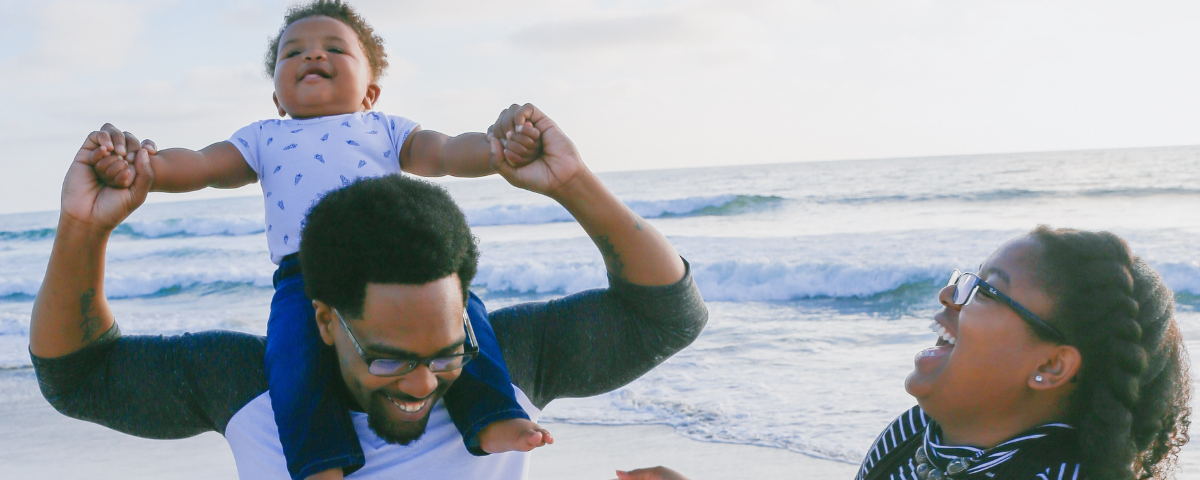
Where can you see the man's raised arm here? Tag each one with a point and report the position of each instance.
(154, 387)
(595, 341)
(633, 250)
(70, 311)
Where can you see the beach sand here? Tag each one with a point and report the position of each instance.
(38, 442)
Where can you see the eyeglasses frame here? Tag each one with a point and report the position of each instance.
(1029, 317)
(471, 349)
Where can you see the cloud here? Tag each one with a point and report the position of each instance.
(641, 31)
(73, 37)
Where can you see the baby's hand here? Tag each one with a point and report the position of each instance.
(523, 145)
(112, 160)
(521, 140)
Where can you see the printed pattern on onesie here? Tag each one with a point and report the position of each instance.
(298, 161)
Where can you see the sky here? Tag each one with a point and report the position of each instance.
(647, 84)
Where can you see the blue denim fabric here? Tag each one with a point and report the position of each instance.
(313, 419)
(483, 394)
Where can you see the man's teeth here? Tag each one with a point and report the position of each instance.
(409, 407)
(937, 328)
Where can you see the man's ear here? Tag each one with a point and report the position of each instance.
(275, 98)
(324, 321)
(372, 96)
(1058, 370)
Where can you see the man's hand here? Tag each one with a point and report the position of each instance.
(556, 165)
(87, 199)
(656, 473)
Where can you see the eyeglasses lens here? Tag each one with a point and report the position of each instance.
(964, 287)
(447, 364)
(387, 367)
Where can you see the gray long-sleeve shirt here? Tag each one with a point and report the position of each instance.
(584, 344)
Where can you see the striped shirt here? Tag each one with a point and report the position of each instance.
(1048, 452)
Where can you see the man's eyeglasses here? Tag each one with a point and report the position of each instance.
(394, 367)
(966, 285)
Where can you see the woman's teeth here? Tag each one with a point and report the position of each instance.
(937, 328)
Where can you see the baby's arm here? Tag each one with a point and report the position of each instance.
(432, 154)
(218, 165)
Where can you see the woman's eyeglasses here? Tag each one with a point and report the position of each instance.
(395, 367)
(966, 285)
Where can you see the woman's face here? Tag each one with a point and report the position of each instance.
(986, 371)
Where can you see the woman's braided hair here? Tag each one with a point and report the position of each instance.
(1131, 403)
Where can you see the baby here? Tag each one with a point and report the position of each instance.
(325, 63)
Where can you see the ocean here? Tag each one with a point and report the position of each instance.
(820, 277)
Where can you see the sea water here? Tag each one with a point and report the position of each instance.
(820, 277)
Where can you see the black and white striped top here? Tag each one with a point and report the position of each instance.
(1048, 452)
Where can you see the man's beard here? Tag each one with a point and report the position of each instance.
(401, 433)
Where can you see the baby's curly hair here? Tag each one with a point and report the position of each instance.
(372, 44)
(1132, 402)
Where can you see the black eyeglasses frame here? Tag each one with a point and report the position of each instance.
(471, 350)
(1029, 317)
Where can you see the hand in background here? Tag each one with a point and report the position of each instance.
(656, 473)
(556, 165)
(518, 136)
(87, 199)
(113, 158)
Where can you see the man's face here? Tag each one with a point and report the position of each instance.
(405, 322)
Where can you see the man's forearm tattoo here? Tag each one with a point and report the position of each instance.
(610, 254)
(91, 322)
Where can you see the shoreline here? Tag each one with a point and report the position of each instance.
(595, 452)
(49, 445)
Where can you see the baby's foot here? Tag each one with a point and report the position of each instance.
(513, 435)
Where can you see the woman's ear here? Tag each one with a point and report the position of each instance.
(324, 321)
(1059, 369)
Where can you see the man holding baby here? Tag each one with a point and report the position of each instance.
(173, 387)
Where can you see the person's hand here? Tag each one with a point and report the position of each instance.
(517, 134)
(556, 165)
(112, 160)
(87, 199)
(656, 473)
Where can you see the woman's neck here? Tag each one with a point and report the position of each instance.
(986, 431)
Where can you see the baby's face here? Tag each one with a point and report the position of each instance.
(321, 70)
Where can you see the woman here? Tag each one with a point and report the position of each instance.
(1059, 359)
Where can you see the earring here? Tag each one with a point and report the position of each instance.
(1037, 378)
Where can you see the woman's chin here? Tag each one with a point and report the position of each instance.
(927, 367)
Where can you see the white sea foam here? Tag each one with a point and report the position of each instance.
(194, 227)
(520, 214)
(730, 280)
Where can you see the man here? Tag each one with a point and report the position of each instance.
(173, 387)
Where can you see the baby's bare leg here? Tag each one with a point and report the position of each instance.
(513, 435)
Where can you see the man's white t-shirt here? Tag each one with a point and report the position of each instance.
(438, 454)
(298, 161)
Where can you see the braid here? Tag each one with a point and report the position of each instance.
(1131, 403)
